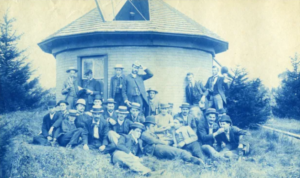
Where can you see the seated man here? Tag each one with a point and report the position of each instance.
(97, 100)
(135, 114)
(122, 126)
(68, 134)
(164, 124)
(153, 107)
(186, 138)
(110, 115)
(128, 150)
(230, 143)
(208, 129)
(97, 130)
(63, 107)
(47, 127)
(156, 147)
(188, 119)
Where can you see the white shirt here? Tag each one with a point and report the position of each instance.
(136, 141)
(214, 82)
(96, 129)
(120, 122)
(192, 83)
(51, 116)
(133, 75)
(185, 118)
(110, 114)
(211, 128)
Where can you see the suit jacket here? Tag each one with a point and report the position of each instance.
(203, 132)
(194, 94)
(131, 84)
(221, 86)
(150, 140)
(127, 144)
(48, 123)
(140, 118)
(191, 121)
(234, 138)
(126, 126)
(73, 91)
(114, 85)
(106, 115)
(103, 129)
(95, 86)
(153, 107)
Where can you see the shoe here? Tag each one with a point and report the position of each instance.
(68, 146)
(155, 173)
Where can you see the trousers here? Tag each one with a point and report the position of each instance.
(211, 152)
(113, 137)
(125, 159)
(169, 152)
(41, 140)
(195, 149)
(216, 102)
(71, 138)
(119, 100)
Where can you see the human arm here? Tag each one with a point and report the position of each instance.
(149, 139)
(148, 74)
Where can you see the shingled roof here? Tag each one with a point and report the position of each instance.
(163, 19)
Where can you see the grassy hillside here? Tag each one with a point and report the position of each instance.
(273, 156)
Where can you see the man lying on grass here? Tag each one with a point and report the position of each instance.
(154, 146)
(128, 150)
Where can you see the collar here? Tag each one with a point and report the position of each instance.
(133, 75)
(110, 113)
(136, 141)
(120, 122)
(91, 79)
(96, 122)
(118, 76)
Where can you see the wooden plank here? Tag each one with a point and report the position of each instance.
(281, 131)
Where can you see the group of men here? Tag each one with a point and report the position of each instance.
(132, 124)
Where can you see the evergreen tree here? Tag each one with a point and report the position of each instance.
(288, 95)
(17, 91)
(248, 102)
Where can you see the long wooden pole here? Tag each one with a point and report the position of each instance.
(101, 15)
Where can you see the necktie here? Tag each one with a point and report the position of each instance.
(96, 131)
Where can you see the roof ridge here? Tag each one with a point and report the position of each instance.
(74, 21)
(188, 19)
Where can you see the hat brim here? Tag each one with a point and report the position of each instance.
(135, 107)
(63, 102)
(148, 122)
(118, 67)
(212, 113)
(137, 127)
(152, 90)
(123, 112)
(71, 69)
(185, 107)
(97, 111)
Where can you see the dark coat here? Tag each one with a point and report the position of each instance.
(203, 132)
(114, 85)
(130, 84)
(221, 86)
(194, 94)
(126, 125)
(103, 129)
(127, 144)
(234, 138)
(48, 123)
(150, 140)
(191, 121)
(140, 118)
(96, 87)
(106, 115)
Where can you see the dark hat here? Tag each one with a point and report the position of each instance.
(51, 104)
(150, 120)
(81, 93)
(137, 63)
(110, 100)
(135, 105)
(88, 72)
(152, 89)
(97, 109)
(97, 97)
(210, 111)
(164, 105)
(73, 113)
(122, 109)
(71, 68)
(222, 111)
(225, 118)
(185, 105)
(119, 66)
(62, 101)
(137, 125)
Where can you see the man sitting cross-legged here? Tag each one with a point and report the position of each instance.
(128, 150)
(122, 125)
(231, 141)
(186, 138)
(98, 129)
(48, 126)
(68, 134)
(160, 148)
(135, 114)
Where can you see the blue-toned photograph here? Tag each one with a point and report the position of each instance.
(149, 88)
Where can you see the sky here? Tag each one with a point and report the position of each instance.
(262, 34)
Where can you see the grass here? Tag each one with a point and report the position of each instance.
(290, 125)
(273, 156)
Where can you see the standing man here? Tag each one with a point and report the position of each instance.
(153, 108)
(188, 119)
(116, 86)
(48, 121)
(93, 88)
(134, 87)
(216, 86)
(70, 87)
(194, 90)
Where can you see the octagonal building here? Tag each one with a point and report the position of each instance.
(161, 38)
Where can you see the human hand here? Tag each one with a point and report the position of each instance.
(49, 138)
(101, 148)
(50, 130)
(85, 147)
(223, 145)
(180, 145)
(112, 121)
(220, 130)
(128, 103)
(241, 146)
